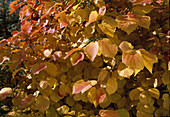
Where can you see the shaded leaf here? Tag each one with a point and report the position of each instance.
(122, 113)
(135, 93)
(52, 69)
(42, 103)
(27, 101)
(36, 68)
(111, 86)
(102, 77)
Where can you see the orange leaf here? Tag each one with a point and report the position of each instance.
(12, 3)
(91, 50)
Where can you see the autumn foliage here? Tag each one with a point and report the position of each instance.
(88, 58)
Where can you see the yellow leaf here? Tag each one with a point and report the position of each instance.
(111, 86)
(52, 69)
(154, 93)
(107, 48)
(135, 93)
(108, 25)
(42, 103)
(91, 50)
(149, 59)
(92, 18)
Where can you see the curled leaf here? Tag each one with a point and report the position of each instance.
(5, 92)
(76, 58)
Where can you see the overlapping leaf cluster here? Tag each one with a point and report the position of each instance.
(76, 54)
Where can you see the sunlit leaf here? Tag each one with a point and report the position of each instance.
(111, 86)
(63, 109)
(125, 46)
(154, 93)
(92, 18)
(135, 93)
(108, 113)
(149, 59)
(81, 86)
(91, 50)
(5, 92)
(107, 48)
(108, 25)
(102, 10)
(96, 95)
(76, 58)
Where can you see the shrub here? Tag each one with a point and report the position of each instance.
(88, 58)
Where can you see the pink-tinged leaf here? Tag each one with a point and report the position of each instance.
(96, 95)
(81, 86)
(36, 68)
(125, 46)
(136, 2)
(127, 22)
(143, 21)
(3, 59)
(102, 10)
(27, 101)
(149, 59)
(5, 92)
(43, 84)
(108, 113)
(91, 50)
(76, 58)
(107, 48)
(63, 20)
(133, 59)
(71, 52)
(92, 18)
(57, 55)
(69, 4)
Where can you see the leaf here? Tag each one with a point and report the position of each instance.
(36, 68)
(149, 59)
(92, 18)
(81, 86)
(143, 21)
(96, 95)
(63, 110)
(126, 23)
(91, 50)
(108, 113)
(111, 86)
(127, 72)
(64, 22)
(5, 92)
(102, 77)
(27, 101)
(136, 2)
(71, 52)
(141, 9)
(166, 77)
(52, 69)
(51, 112)
(102, 10)
(108, 25)
(107, 48)
(43, 84)
(122, 113)
(135, 93)
(154, 93)
(13, 3)
(42, 103)
(76, 58)
(125, 46)
(133, 59)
